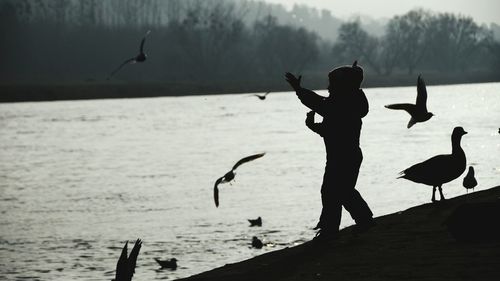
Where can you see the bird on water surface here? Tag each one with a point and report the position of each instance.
(255, 222)
(229, 176)
(440, 169)
(417, 111)
(125, 267)
(469, 180)
(141, 57)
(256, 243)
(170, 264)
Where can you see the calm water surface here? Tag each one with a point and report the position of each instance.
(78, 178)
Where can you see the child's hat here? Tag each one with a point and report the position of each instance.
(350, 76)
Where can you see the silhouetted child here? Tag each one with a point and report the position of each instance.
(342, 111)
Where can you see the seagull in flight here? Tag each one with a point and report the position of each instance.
(417, 111)
(262, 97)
(141, 57)
(229, 176)
(125, 268)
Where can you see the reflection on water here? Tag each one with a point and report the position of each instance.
(77, 178)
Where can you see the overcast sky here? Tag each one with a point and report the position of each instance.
(483, 11)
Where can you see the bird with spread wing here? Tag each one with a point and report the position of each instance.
(141, 57)
(261, 97)
(125, 267)
(417, 111)
(229, 176)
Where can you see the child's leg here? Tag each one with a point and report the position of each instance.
(357, 207)
(351, 198)
(331, 212)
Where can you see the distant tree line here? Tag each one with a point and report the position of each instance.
(191, 40)
(222, 40)
(421, 40)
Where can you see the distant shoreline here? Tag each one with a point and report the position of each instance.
(81, 90)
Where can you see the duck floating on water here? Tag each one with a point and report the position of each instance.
(170, 264)
(440, 169)
(256, 243)
(255, 222)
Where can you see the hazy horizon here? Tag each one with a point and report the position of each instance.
(483, 11)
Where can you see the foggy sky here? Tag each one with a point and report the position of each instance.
(482, 11)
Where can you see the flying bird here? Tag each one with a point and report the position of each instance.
(229, 176)
(440, 169)
(141, 57)
(255, 222)
(469, 180)
(256, 243)
(170, 264)
(125, 267)
(262, 97)
(417, 111)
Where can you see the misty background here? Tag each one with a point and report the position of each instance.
(215, 41)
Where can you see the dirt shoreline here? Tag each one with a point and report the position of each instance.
(410, 245)
(81, 90)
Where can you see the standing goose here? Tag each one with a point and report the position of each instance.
(469, 180)
(229, 176)
(418, 111)
(141, 57)
(440, 169)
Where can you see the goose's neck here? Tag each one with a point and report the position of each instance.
(455, 145)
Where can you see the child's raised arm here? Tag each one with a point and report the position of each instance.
(309, 98)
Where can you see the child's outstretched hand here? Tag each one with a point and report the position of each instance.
(293, 81)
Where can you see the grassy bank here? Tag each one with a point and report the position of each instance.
(409, 245)
(20, 92)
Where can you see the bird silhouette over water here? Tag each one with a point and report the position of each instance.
(262, 97)
(255, 222)
(418, 111)
(440, 169)
(256, 243)
(125, 268)
(229, 176)
(141, 57)
(469, 180)
(170, 264)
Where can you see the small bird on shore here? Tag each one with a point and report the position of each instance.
(141, 57)
(262, 97)
(440, 169)
(125, 267)
(418, 111)
(229, 176)
(255, 222)
(469, 180)
(170, 264)
(256, 243)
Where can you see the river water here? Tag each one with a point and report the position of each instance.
(78, 178)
